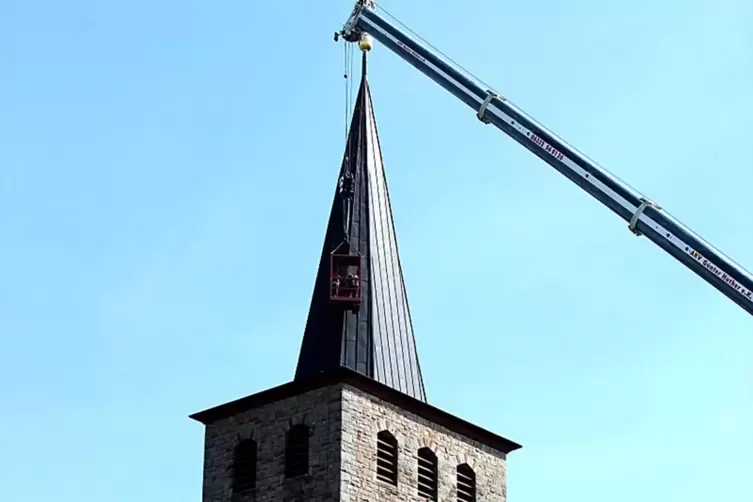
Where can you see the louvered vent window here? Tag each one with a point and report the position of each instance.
(427, 474)
(244, 466)
(466, 484)
(297, 451)
(387, 457)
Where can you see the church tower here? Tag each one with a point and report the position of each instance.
(354, 424)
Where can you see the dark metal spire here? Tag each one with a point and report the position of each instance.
(376, 339)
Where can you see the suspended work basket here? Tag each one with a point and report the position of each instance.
(345, 277)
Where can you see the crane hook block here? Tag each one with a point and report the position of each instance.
(365, 43)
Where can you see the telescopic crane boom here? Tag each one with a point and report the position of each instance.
(644, 217)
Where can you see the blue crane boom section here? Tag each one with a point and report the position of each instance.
(644, 216)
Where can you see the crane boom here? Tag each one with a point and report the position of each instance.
(644, 217)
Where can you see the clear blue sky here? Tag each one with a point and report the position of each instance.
(166, 170)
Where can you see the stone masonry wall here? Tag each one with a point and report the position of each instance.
(319, 409)
(363, 416)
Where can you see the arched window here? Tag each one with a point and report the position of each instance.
(244, 466)
(466, 483)
(297, 451)
(386, 457)
(427, 474)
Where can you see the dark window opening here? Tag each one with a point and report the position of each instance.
(427, 474)
(466, 484)
(244, 466)
(297, 451)
(387, 458)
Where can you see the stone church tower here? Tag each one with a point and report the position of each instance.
(354, 424)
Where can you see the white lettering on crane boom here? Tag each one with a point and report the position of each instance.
(547, 147)
(572, 166)
(411, 51)
(722, 275)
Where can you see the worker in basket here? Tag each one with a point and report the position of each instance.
(352, 283)
(335, 286)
